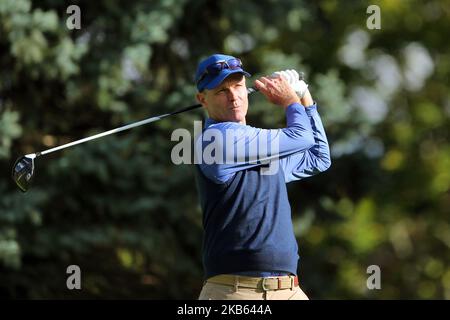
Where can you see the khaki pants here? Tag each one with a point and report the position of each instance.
(214, 291)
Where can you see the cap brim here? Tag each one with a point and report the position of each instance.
(225, 73)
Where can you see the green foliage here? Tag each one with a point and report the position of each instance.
(121, 210)
(9, 129)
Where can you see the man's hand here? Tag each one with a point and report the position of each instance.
(277, 90)
(298, 84)
(294, 80)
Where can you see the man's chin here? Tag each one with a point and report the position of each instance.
(237, 116)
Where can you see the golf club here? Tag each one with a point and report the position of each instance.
(23, 169)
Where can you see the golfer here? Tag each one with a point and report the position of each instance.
(249, 248)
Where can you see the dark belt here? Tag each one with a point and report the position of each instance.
(268, 283)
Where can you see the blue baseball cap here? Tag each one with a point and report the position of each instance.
(214, 69)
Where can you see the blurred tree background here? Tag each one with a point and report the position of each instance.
(122, 211)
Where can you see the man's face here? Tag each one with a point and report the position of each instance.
(228, 101)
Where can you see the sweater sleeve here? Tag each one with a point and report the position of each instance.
(228, 147)
(313, 160)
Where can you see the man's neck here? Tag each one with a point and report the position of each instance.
(243, 122)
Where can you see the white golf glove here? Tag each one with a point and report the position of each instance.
(293, 79)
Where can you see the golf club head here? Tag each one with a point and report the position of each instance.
(23, 171)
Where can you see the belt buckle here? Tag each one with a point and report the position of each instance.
(264, 284)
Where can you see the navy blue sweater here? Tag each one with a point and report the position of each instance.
(247, 224)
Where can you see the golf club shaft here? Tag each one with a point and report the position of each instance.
(126, 127)
(112, 131)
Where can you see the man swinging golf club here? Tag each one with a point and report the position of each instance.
(249, 247)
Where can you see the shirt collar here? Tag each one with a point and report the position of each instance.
(209, 122)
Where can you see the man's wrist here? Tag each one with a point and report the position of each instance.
(307, 99)
(290, 102)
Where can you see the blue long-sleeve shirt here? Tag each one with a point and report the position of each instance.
(302, 146)
(246, 213)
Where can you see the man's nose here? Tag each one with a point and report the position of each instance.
(233, 94)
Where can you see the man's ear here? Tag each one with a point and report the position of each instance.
(201, 98)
